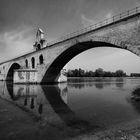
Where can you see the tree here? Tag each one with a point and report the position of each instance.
(120, 73)
(81, 73)
(99, 72)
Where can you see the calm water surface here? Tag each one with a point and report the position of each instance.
(80, 103)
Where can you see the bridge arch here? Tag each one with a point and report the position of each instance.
(53, 71)
(10, 73)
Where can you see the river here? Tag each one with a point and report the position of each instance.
(80, 104)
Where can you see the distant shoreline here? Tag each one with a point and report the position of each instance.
(103, 77)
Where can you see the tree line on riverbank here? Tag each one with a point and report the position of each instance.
(97, 73)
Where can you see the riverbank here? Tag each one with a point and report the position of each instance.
(16, 123)
(125, 131)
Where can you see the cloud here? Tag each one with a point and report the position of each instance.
(86, 21)
(109, 15)
(16, 42)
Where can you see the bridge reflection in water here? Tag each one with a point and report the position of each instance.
(47, 102)
(83, 105)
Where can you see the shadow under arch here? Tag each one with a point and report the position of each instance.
(52, 73)
(10, 73)
(15, 96)
(52, 94)
(10, 89)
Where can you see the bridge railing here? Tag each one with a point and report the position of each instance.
(96, 26)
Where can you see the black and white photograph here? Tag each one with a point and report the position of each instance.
(69, 69)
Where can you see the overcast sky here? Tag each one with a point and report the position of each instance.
(19, 20)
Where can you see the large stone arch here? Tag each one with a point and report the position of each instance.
(53, 71)
(10, 73)
(118, 42)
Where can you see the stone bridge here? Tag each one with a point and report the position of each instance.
(121, 31)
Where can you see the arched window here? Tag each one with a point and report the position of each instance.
(33, 62)
(38, 47)
(26, 62)
(41, 59)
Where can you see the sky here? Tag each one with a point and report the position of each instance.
(19, 20)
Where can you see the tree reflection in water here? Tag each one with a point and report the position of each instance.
(119, 82)
(99, 83)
